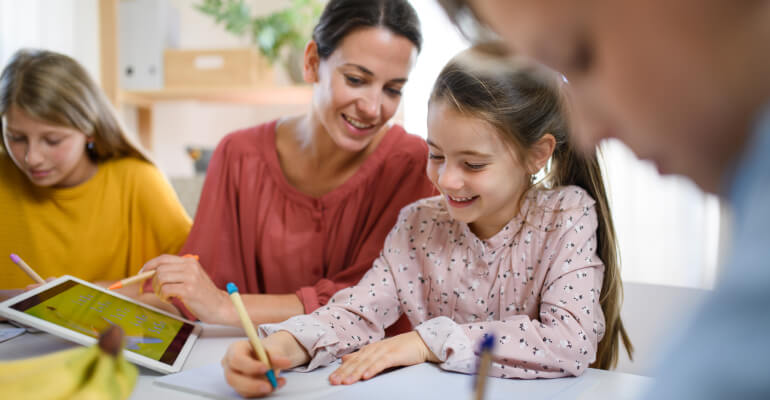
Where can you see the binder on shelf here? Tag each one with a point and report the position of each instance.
(146, 28)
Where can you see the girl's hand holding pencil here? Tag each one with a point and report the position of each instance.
(245, 373)
(251, 367)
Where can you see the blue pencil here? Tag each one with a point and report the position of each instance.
(485, 360)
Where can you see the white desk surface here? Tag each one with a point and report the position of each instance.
(215, 339)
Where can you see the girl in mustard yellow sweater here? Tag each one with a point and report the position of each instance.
(76, 196)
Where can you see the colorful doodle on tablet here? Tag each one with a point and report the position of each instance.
(89, 311)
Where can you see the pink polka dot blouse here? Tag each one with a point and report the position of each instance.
(535, 285)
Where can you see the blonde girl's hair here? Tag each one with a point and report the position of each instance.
(54, 88)
(524, 102)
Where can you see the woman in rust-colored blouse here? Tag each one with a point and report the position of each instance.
(294, 210)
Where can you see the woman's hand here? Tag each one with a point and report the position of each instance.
(246, 374)
(370, 360)
(185, 279)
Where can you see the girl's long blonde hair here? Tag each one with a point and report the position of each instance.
(54, 88)
(524, 102)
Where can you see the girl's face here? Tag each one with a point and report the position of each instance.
(50, 155)
(475, 169)
(358, 87)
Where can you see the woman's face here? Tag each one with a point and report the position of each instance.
(658, 75)
(358, 87)
(50, 155)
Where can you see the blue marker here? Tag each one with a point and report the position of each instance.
(248, 326)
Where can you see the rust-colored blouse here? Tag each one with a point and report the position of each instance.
(255, 229)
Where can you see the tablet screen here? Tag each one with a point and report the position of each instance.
(89, 311)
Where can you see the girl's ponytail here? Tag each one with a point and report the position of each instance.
(574, 168)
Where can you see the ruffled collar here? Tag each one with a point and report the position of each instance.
(506, 236)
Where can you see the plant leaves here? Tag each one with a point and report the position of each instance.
(290, 27)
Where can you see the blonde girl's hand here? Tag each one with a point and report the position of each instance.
(37, 285)
(185, 279)
(370, 360)
(246, 374)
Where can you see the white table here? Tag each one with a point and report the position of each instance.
(215, 339)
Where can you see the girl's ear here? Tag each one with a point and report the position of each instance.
(311, 62)
(540, 152)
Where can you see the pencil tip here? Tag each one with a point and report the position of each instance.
(271, 377)
(116, 285)
(14, 258)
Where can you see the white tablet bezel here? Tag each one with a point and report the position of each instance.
(77, 337)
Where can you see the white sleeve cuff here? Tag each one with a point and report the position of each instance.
(449, 342)
(315, 337)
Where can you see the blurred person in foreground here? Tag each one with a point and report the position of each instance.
(686, 85)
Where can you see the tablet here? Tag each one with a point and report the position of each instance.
(77, 311)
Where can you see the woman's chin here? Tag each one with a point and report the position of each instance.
(352, 143)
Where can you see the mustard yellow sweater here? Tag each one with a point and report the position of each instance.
(103, 229)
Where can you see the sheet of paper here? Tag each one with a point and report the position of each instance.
(428, 381)
(209, 381)
(10, 333)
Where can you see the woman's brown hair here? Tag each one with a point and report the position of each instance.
(341, 17)
(54, 88)
(524, 102)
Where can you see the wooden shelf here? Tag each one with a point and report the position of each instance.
(145, 100)
(255, 95)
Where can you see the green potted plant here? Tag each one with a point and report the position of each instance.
(280, 36)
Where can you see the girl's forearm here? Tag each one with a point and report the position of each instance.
(284, 343)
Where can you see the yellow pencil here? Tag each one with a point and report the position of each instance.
(138, 278)
(232, 290)
(134, 279)
(26, 268)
